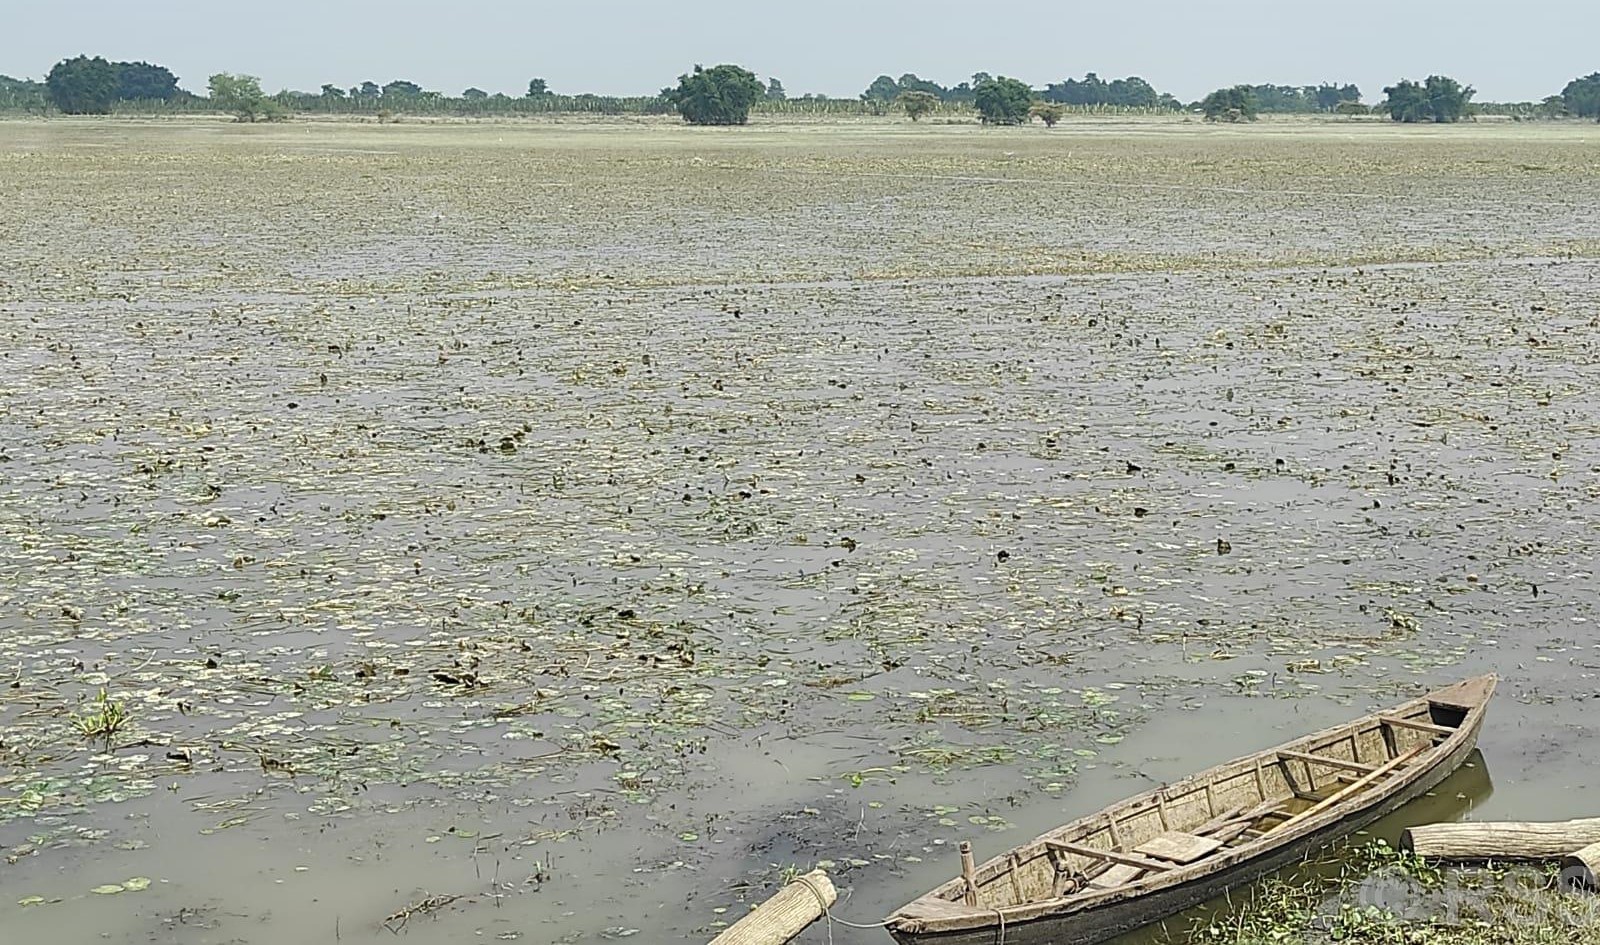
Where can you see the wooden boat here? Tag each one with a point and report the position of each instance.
(1163, 851)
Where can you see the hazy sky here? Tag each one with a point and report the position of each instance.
(1509, 51)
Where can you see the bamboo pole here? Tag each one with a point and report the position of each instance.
(969, 873)
(1501, 841)
(785, 915)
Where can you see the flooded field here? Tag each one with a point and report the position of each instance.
(564, 533)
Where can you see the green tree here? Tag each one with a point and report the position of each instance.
(1234, 104)
(911, 82)
(1405, 101)
(917, 103)
(1439, 99)
(1002, 101)
(1448, 99)
(882, 89)
(140, 81)
(721, 95)
(775, 92)
(82, 86)
(400, 88)
(332, 92)
(366, 90)
(1581, 97)
(1048, 112)
(1330, 97)
(241, 97)
(474, 95)
(538, 88)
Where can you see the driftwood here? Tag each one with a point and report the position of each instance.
(1578, 870)
(1501, 841)
(785, 915)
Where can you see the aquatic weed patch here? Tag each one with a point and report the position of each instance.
(591, 489)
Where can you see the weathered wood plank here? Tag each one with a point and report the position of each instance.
(1126, 859)
(1177, 846)
(1221, 820)
(1119, 874)
(1428, 727)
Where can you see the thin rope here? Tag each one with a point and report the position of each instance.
(828, 914)
(1001, 938)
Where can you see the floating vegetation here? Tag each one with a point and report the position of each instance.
(581, 486)
(1378, 895)
(104, 718)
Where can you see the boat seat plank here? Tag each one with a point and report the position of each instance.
(1413, 724)
(1221, 820)
(1231, 832)
(1179, 847)
(1120, 874)
(1326, 761)
(1125, 859)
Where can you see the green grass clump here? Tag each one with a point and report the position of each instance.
(104, 718)
(1383, 896)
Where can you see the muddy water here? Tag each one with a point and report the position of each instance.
(556, 535)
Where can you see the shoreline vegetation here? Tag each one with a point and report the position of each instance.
(831, 112)
(730, 95)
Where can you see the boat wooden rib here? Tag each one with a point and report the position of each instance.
(1163, 851)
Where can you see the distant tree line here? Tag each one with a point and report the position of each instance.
(1132, 92)
(729, 94)
(23, 95)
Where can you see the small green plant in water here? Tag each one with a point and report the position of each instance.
(105, 718)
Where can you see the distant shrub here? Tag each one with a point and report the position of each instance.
(1048, 112)
(721, 95)
(916, 103)
(241, 96)
(1234, 104)
(1002, 101)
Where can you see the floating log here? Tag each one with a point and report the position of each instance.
(1501, 841)
(1578, 870)
(785, 915)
